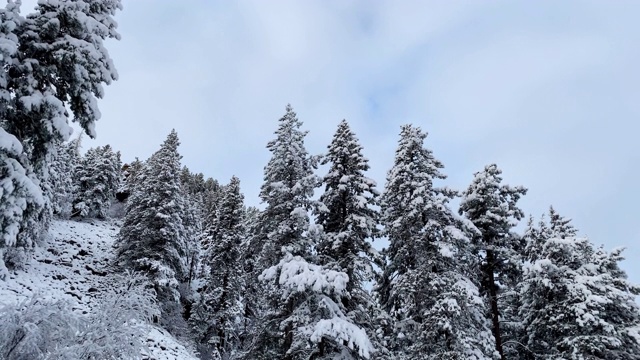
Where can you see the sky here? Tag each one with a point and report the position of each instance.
(548, 90)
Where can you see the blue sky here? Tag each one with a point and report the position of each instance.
(548, 90)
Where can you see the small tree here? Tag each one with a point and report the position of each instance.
(61, 177)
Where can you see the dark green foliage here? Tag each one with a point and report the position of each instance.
(492, 208)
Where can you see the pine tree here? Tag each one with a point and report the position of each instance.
(350, 219)
(66, 158)
(576, 302)
(52, 59)
(559, 226)
(617, 320)
(129, 174)
(435, 305)
(550, 291)
(211, 198)
(98, 179)
(61, 62)
(20, 195)
(491, 207)
(218, 313)
(153, 238)
(302, 311)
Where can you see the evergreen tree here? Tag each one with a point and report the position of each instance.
(492, 208)
(61, 62)
(98, 180)
(424, 287)
(61, 177)
(576, 302)
(20, 193)
(129, 174)
(20, 197)
(349, 219)
(550, 292)
(153, 238)
(52, 59)
(211, 197)
(617, 321)
(559, 226)
(218, 313)
(302, 311)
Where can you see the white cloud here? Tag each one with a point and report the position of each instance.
(547, 90)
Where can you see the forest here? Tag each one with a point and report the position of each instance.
(328, 266)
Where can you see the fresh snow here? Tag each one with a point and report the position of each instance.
(73, 265)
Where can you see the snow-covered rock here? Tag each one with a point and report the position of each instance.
(73, 266)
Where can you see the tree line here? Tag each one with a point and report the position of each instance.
(300, 278)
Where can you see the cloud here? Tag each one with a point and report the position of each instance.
(548, 90)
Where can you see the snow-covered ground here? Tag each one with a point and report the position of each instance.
(73, 265)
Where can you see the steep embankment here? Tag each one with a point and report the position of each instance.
(73, 266)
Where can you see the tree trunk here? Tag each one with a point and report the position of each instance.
(493, 300)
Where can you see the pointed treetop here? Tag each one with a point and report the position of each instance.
(171, 142)
(490, 205)
(560, 226)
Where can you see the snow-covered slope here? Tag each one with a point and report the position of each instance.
(73, 265)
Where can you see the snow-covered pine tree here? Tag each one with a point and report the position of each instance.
(20, 197)
(61, 62)
(616, 330)
(195, 186)
(129, 174)
(98, 179)
(436, 307)
(492, 208)
(576, 301)
(251, 245)
(20, 193)
(349, 219)
(61, 177)
(559, 226)
(552, 297)
(51, 59)
(153, 238)
(302, 309)
(210, 197)
(218, 313)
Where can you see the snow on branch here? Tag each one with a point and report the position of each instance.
(343, 331)
(298, 275)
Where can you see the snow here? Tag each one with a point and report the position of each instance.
(10, 143)
(343, 331)
(73, 266)
(298, 275)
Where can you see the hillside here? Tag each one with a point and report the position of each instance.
(73, 266)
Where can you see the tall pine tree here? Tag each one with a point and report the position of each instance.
(492, 208)
(218, 314)
(425, 286)
(302, 310)
(153, 238)
(350, 219)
